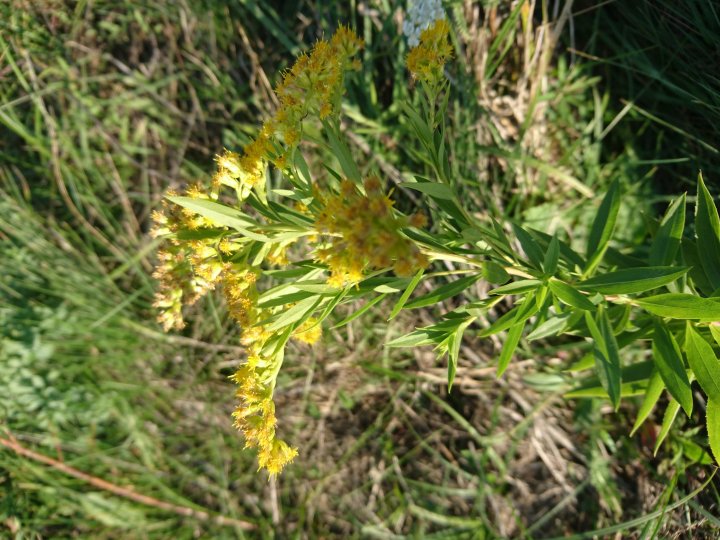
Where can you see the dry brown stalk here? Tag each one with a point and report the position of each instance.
(12, 444)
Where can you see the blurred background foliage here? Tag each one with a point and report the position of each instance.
(106, 104)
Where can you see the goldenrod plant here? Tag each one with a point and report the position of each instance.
(285, 258)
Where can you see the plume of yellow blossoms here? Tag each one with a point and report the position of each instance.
(426, 61)
(313, 87)
(187, 269)
(364, 234)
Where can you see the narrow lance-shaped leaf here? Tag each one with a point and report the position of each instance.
(405, 295)
(494, 273)
(434, 190)
(301, 310)
(607, 357)
(567, 254)
(519, 313)
(712, 418)
(703, 362)
(222, 215)
(569, 295)
(666, 243)
(668, 419)
(509, 347)
(681, 306)
(707, 230)
(454, 350)
(552, 256)
(354, 315)
(697, 273)
(443, 292)
(517, 287)
(669, 363)
(603, 226)
(652, 394)
(632, 280)
(530, 246)
(715, 331)
(551, 327)
(635, 380)
(341, 152)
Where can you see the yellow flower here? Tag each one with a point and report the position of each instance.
(426, 61)
(309, 332)
(274, 457)
(186, 269)
(363, 234)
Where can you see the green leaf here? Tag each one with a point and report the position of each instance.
(494, 273)
(703, 362)
(607, 357)
(627, 389)
(519, 313)
(443, 292)
(715, 331)
(552, 256)
(552, 327)
(668, 419)
(393, 286)
(434, 190)
(410, 288)
(712, 418)
(517, 287)
(632, 280)
(635, 379)
(695, 453)
(669, 363)
(299, 311)
(341, 152)
(200, 234)
(511, 342)
(666, 243)
(332, 304)
(603, 226)
(284, 299)
(530, 246)
(303, 169)
(360, 311)
(697, 274)
(454, 350)
(567, 254)
(707, 231)
(500, 235)
(569, 295)
(414, 339)
(221, 215)
(419, 125)
(652, 394)
(681, 306)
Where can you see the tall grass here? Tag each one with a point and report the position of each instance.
(658, 60)
(104, 105)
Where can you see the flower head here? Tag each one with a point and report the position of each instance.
(427, 60)
(363, 233)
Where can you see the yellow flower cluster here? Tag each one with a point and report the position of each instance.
(308, 332)
(364, 234)
(426, 61)
(243, 172)
(185, 271)
(255, 413)
(312, 87)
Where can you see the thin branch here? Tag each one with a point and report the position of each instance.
(127, 493)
